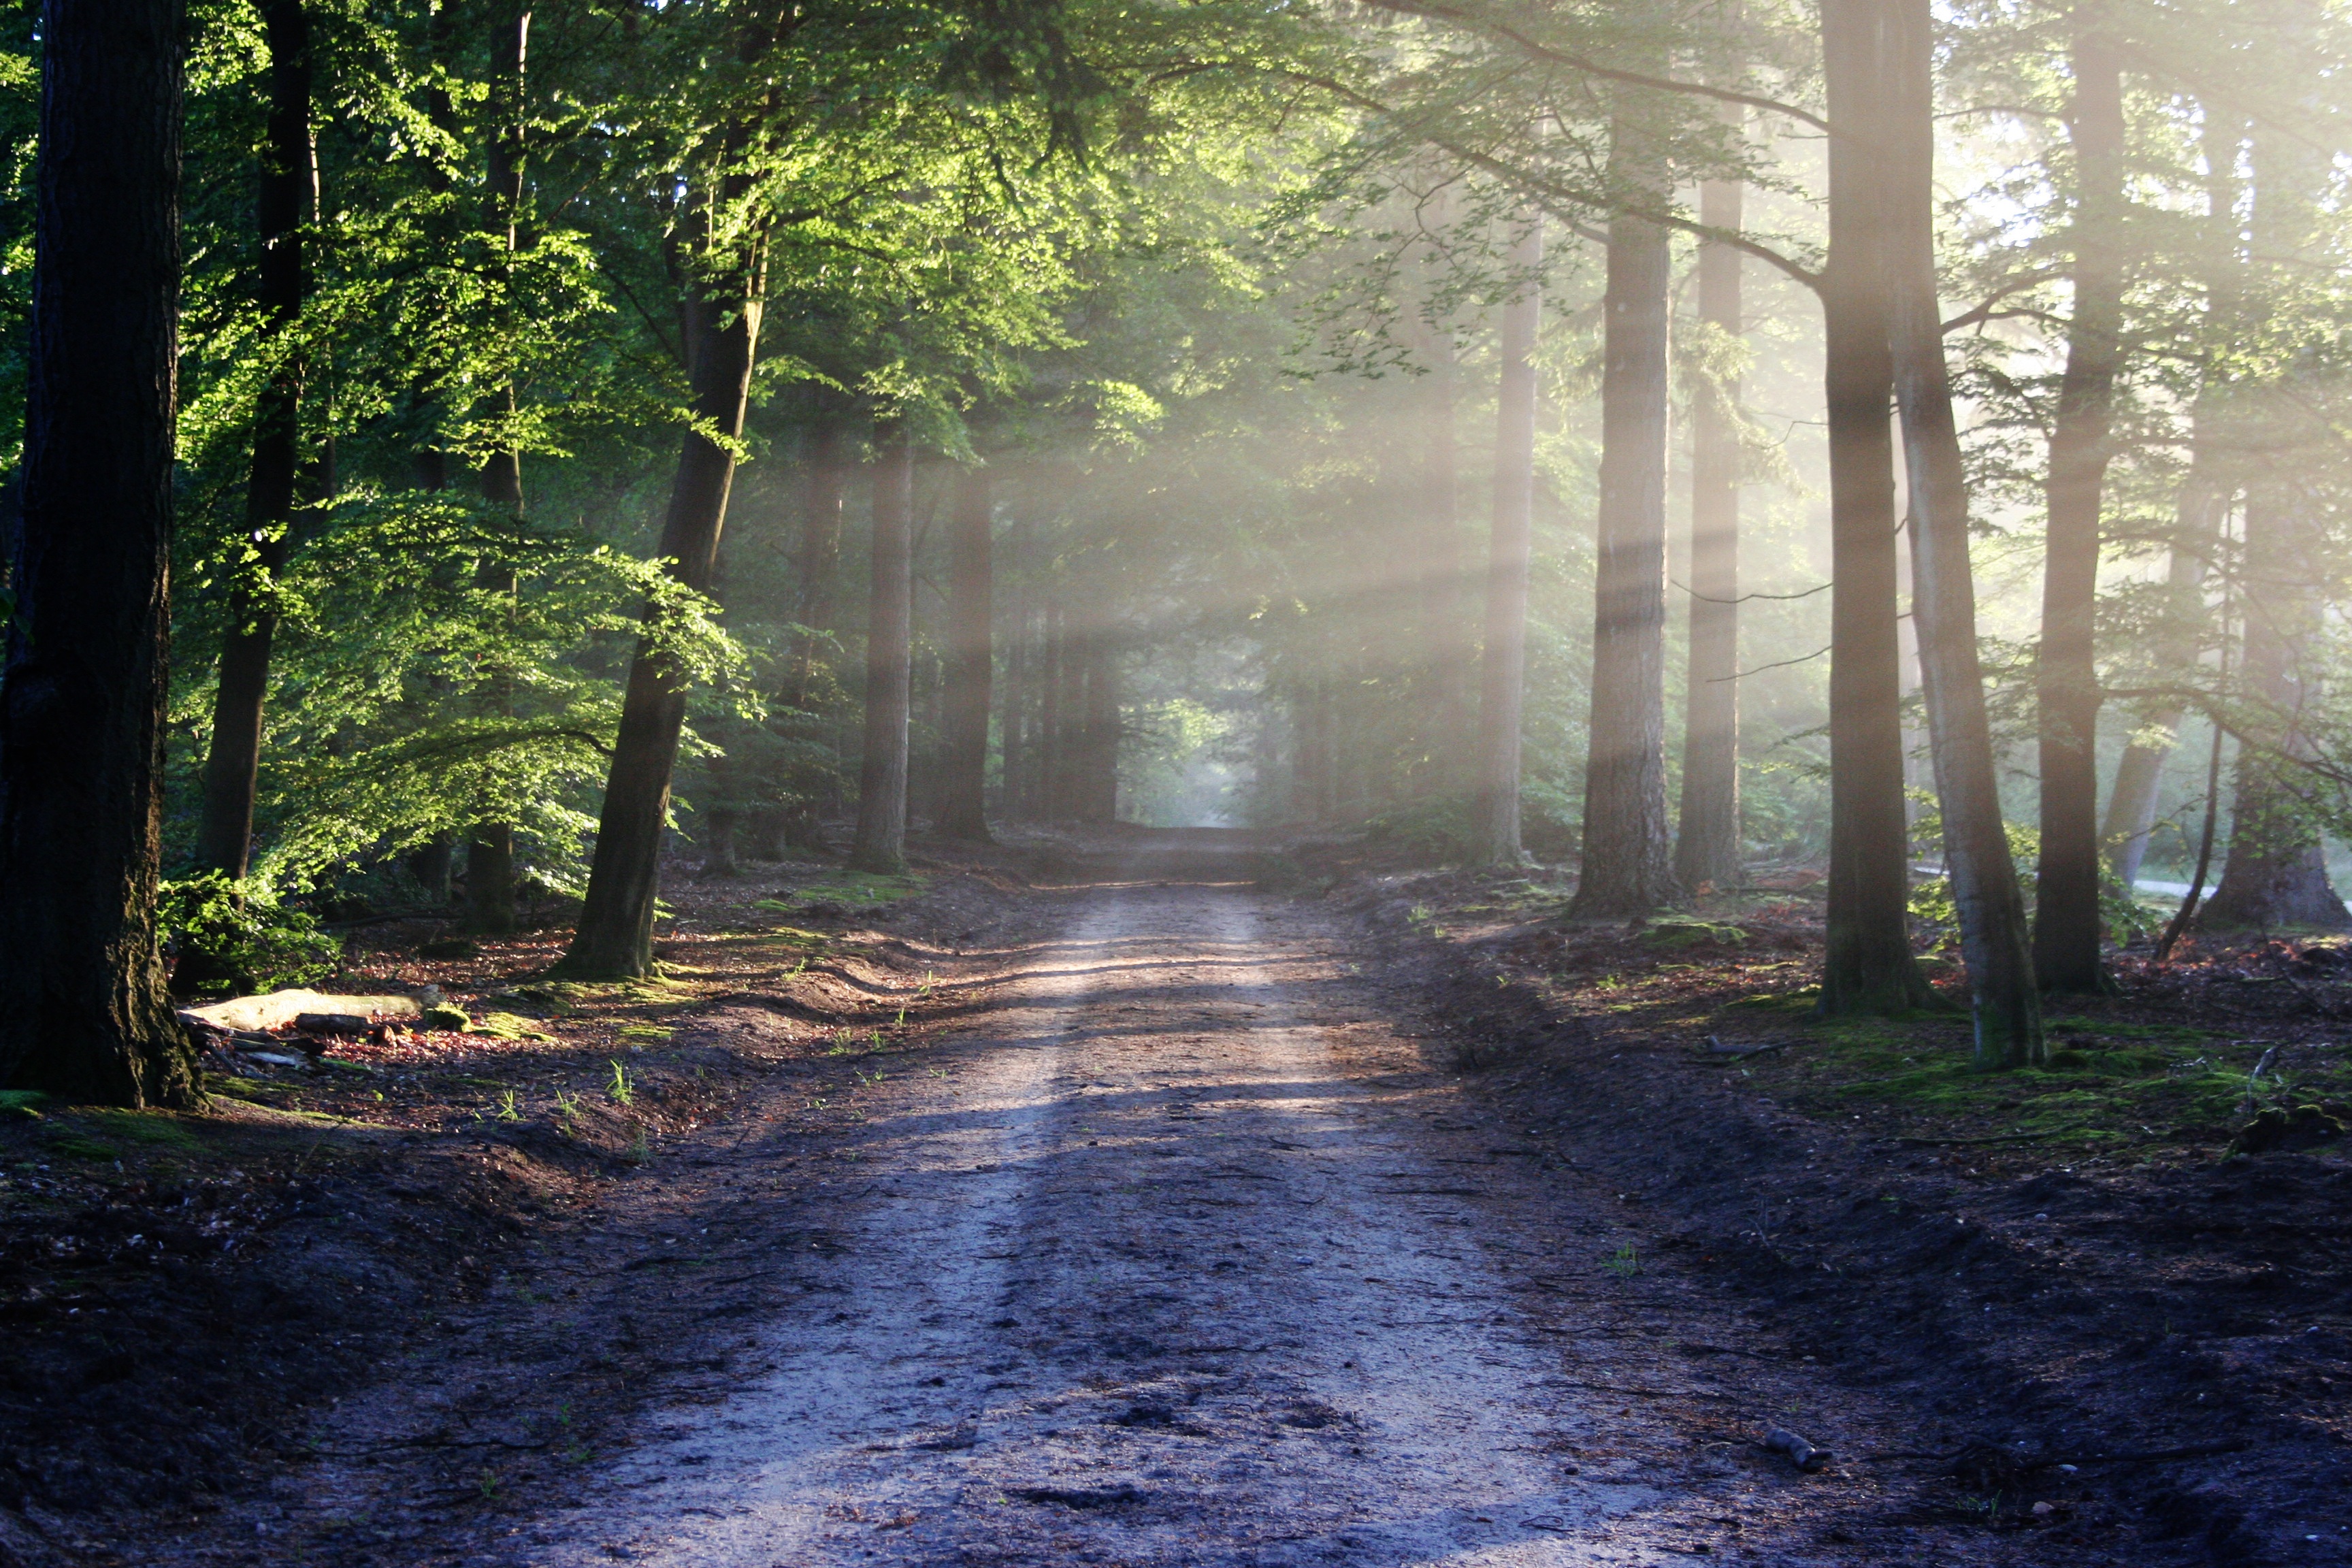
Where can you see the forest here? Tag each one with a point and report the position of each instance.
(1743, 597)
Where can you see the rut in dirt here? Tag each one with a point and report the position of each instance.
(1147, 1278)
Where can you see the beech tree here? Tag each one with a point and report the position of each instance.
(83, 691)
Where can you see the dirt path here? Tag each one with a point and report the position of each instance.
(1144, 1278)
(1173, 1249)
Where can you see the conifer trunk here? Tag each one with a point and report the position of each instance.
(232, 769)
(1868, 967)
(2067, 925)
(83, 694)
(972, 616)
(1502, 673)
(1628, 863)
(616, 921)
(881, 841)
(1706, 840)
(1994, 939)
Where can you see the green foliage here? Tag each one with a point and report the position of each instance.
(228, 937)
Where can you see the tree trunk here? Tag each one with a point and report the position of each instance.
(489, 853)
(231, 770)
(1503, 671)
(1706, 841)
(1016, 721)
(1868, 967)
(616, 920)
(971, 618)
(2200, 516)
(2275, 875)
(2067, 925)
(1993, 936)
(83, 696)
(1099, 800)
(816, 562)
(881, 841)
(1451, 706)
(1050, 738)
(1628, 866)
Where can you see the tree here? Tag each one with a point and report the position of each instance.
(724, 299)
(1993, 935)
(971, 614)
(83, 692)
(491, 845)
(2068, 922)
(1502, 673)
(881, 839)
(1707, 838)
(1868, 967)
(1627, 868)
(225, 841)
(2276, 875)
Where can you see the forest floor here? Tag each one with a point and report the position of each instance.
(1154, 1199)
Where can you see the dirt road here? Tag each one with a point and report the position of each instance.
(1174, 1247)
(1146, 1276)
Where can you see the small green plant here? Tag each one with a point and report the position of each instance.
(1625, 1262)
(226, 936)
(620, 1091)
(567, 1106)
(509, 1107)
(641, 1147)
(487, 1484)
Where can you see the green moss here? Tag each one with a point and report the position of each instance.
(507, 1027)
(1783, 1002)
(156, 1129)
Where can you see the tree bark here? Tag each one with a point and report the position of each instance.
(971, 618)
(2067, 925)
(1628, 866)
(1502, 675)
(1994, 939)
(616, 921)
(232, 769)
(1868, 967)
(490, 851)
(83, 695)
(881, 840)
(1706, 841)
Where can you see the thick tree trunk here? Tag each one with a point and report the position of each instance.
(1868, 967)
(2067, 925)
(1994, 939)
(2275, 875)
(616, 921)
(83, 694)
(972, 619)
(490, 851)
(1628, 866)
(881, 841)
(231, 770)
(1706, 840)
(1502, 674)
